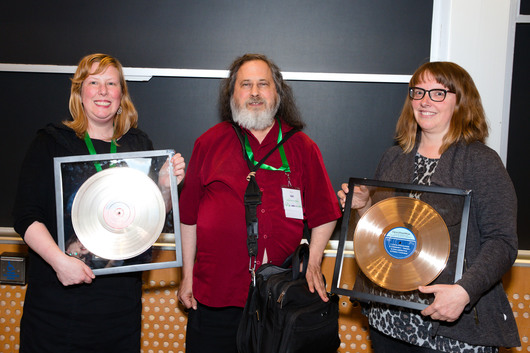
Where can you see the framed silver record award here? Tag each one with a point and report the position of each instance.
(406, 236)
(118, 212)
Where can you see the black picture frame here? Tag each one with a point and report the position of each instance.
(358, 294)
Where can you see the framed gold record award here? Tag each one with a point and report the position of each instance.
(407, 236)
(118, 212)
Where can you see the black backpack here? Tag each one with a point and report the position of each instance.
(281, 315)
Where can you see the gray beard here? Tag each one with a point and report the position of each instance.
(253, 120)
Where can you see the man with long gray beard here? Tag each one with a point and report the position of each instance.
(215, 273)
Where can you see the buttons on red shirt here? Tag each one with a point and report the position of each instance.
(262, 210)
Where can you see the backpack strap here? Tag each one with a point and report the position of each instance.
(253, 197)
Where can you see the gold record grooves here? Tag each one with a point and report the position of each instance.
(401, 243)
(118, 213)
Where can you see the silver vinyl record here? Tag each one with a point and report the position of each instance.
(118, 213)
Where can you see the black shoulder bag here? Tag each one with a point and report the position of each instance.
(281, 315)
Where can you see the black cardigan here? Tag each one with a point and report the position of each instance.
(55, 317)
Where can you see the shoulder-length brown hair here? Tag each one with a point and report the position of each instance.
(128, 117)
(468, 123)
(287, 111)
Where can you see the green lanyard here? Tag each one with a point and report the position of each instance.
(285, 164)
(92, 150)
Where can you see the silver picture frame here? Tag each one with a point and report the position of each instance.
(73, 171)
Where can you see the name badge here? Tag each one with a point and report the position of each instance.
(292, 203)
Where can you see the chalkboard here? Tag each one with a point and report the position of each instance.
(351, 122)
(377, 36)
(518, 146)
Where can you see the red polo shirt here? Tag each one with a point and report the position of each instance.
(212, 198)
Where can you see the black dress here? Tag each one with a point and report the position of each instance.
(104, 316)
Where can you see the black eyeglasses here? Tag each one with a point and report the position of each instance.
(436, 95)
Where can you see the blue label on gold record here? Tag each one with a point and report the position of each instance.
(400, 242)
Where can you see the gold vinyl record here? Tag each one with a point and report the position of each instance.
(118, 213)
(401, 243)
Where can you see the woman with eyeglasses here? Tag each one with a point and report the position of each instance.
(440, 138)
